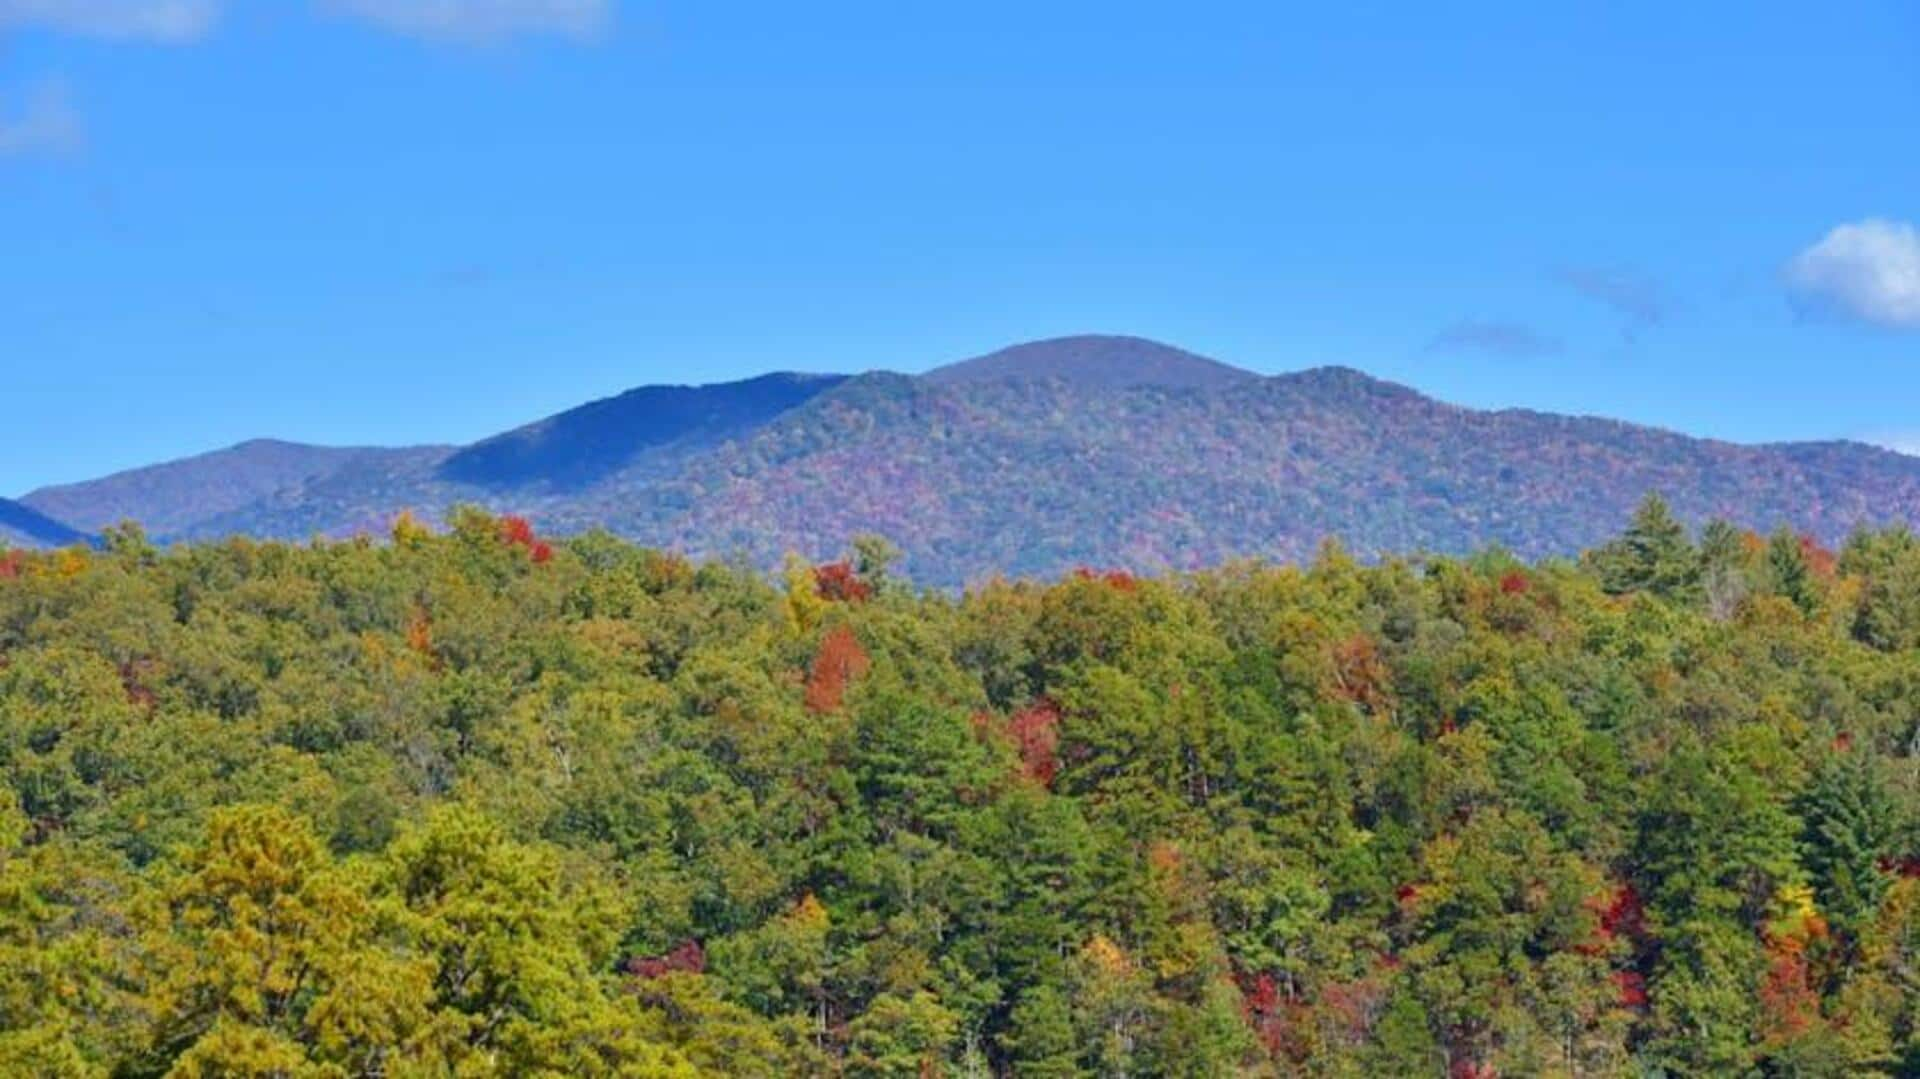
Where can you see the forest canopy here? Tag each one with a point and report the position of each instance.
(477, 802)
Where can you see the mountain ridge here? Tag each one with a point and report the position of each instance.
(24, 526)
(1092, 450)
(1110, 360)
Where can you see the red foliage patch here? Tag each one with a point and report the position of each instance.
(1116, 579)
(1353, 1005)
(1820, 561)
(420, 632)
(1036, 734)
(10, 565)
(839, 661)
(1515, 583)
(1625, 915)
(1631, 988)
(688, 958)
(838, 583)
(1788, 1003)
(1907, 866)
(1260, 1006)
(516, 532)
(1360, 675)
(1618, 914)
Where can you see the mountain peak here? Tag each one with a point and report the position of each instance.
(1096, 361)
(1335, 379)
(582, 445)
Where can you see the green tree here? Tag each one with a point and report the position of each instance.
(1653, 555)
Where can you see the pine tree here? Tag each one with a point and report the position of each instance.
(1653, 555)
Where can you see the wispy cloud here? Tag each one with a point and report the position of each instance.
(1510, 339)
(1868, 270)
(1640, 301)
(171, 22)
(41, 121)
(482, 21)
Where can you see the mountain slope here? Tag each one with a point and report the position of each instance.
(1094, 361)
(576, 448)
(1110, 452)
(1036, 477)
(173, 497)
(23, 526)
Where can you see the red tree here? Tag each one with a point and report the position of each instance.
(688, 958)
(1036, 734)
(1360, 675)
(838, 583)
(516, 532)
(839, 661)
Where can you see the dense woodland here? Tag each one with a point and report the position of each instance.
(472, 802)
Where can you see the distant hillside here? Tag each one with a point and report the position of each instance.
(1099, 451)
(1035, 477)
(22, 526)
(581, 446)
(171, 498)
(1094, 362)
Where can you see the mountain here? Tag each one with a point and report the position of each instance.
(576, 448)
(23, 526)
(1097, 451)
(1039, 476)
(170, 498)
(1093, 361)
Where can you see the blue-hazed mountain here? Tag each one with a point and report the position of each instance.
(171, 498)
(581, 446)
(23, 526)
(1099, 451)
(1095, 361)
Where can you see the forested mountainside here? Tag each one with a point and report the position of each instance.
(581, 446)
(169, 499)
(484, 802)
(1086, 450)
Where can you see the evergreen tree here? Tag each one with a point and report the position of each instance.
(1653, 555)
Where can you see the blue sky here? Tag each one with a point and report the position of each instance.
(386, 221)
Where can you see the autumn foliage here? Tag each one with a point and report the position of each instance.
(687, 958)
(1360, 675)
(10, 565)
(839, 661)
(837, 582)
(1116, 579)
(1036, 735)
(518, 532)
(1821, 562)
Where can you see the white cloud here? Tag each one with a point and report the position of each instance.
(482, 20)
(1869, 270)
(43, 122)
(165, 21)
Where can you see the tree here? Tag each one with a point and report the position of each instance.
(1850, 826)
(1040, 1041)
(1653, 555)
